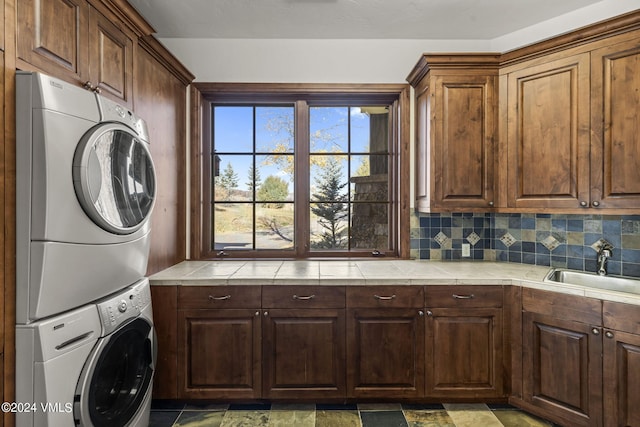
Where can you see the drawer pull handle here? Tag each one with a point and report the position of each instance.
(456, 296)
(212, 298)
(304, 298)
(383, 298)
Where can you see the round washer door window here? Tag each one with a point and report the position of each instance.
(114, 178)
(121, 376)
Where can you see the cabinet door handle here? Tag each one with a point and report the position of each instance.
(470, 296)
(583, 204)
(595, 331)
(212, 298)
(429, 313)
(595, 204)
(608, 334)
(384, 298)
(304, 298)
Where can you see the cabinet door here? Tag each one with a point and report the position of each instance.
(110, 59)
(621, 369)
(464, 353)
(304, 353)
(52, 34)
(548, 135)
(385, 353)
(219, 354)
(615, 114)
(562, 369)
(463, 141)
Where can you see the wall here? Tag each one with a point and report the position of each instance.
(568, 241)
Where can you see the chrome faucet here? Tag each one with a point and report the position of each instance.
(604, 253)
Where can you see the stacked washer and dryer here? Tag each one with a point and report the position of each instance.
(85, 343)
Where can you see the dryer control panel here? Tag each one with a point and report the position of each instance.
(111, 111)
(119, 308)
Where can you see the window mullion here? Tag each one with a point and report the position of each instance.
(301, 178)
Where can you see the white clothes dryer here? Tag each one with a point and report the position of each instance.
(92, 366)
(85, 193)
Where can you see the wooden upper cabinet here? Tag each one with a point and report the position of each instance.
(71, 40)
(456, 125)
(110, 59)
(51, 36)
(548, 134)
(615, 115)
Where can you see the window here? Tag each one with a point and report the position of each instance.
(289, 171)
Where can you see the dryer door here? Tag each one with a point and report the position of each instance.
(116, 380)
(114, 178)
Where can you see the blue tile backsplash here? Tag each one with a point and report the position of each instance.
(568, 241)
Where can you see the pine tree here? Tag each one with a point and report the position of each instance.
(228, 180)
(331, 207)
(254, 179)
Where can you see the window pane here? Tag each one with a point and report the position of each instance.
(369, 226)
(369, 130)
(280, 165)
(274, 226)
(274, 129)
(233, 129)
(328, 127)
(329, 226)
(233, 226)
(365, 186)
(329, 178)
(232, 183)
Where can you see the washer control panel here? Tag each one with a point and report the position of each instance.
(124, 305)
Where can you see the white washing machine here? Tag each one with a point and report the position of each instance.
(85, 192)
(92, 366)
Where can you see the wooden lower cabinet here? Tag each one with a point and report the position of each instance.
(385, 342)
(219, 342)
(621, 364)
(464, 330)
(303, 353)
(464, 353)
(385, 353)
(562, 357)
(563, 369)
(220, 354)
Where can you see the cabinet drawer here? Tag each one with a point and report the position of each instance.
(385, 296)
(303, 296)
(463, 296)
(219, 297)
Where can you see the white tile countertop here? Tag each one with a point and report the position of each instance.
(372, 272)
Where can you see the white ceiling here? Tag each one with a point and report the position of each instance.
(349, 19)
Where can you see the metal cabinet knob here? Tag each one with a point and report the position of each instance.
(595, 331)
(608, 334)
(420, 313)
(429, 313)
(490, 203)
(595, 204)
(583, 204)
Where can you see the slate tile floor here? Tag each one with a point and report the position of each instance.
(176, 414)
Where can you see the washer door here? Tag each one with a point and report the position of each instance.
(114, 179)
(117, 377)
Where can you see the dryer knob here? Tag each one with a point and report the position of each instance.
(122, 307)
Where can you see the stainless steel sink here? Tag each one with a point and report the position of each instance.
(592, 280)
